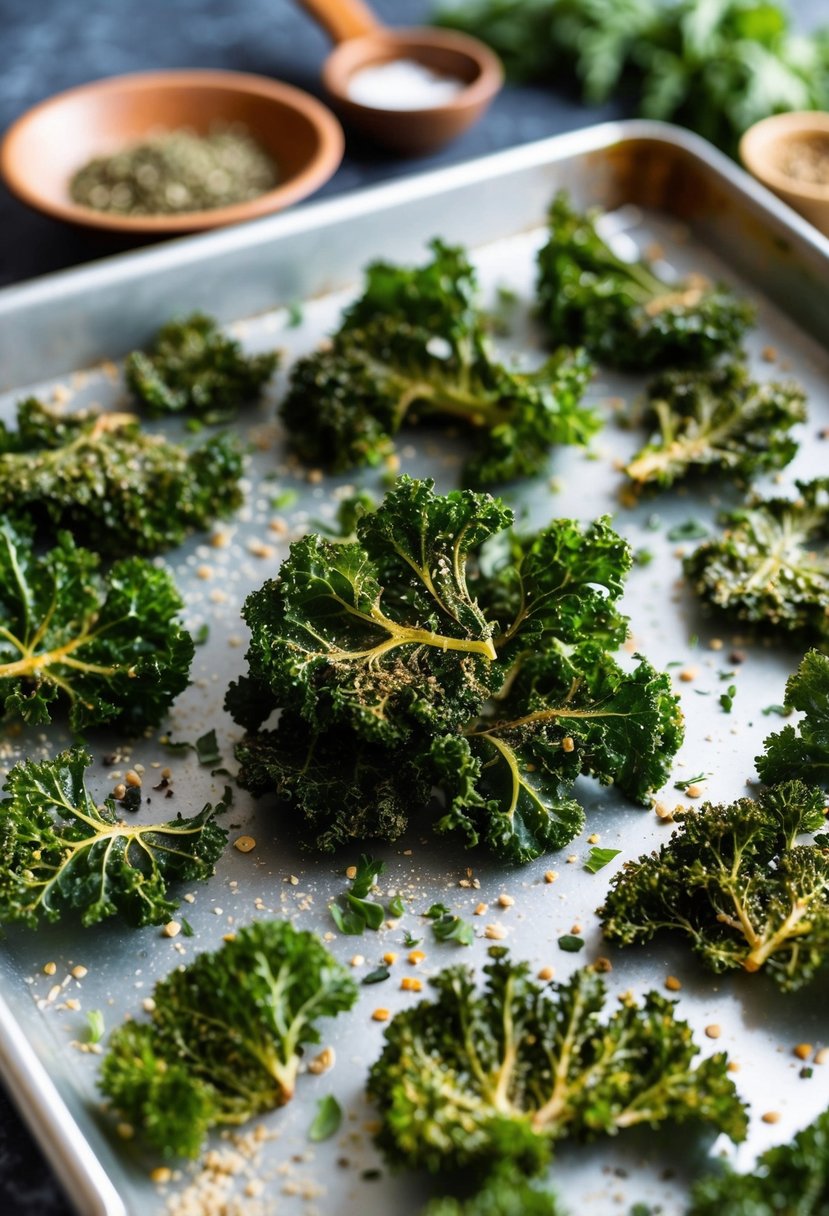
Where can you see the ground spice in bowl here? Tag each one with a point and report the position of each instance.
(172, 172)
(807, 160)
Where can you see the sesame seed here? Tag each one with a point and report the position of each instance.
(688, 675)
(713, 1031)
(505, 901)
(481, 909)
(171, 929)
(495, 933)
(550, 875)
(79, 972)
(771, 1116)
(357, 960)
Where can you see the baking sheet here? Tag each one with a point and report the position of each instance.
(759, 1026)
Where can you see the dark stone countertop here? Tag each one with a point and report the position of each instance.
(51, 45)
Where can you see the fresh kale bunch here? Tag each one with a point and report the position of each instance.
(789, 1180)
(771, 565)
(62, 852)
(802, 751)
(226, 1036)
(622, 312)
(437, 649)
(504, 1193)
(734, 880)
(496, 1078)
(717, 419)
(416, 343)
(120, 488)
(193, 367)
(110, 645)
(716, 68)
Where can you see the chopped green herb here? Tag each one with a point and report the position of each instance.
(783, 711)
(327, 1120)
(95, 1026)
(357, 913)
(571, 943)
(377, 976)
(684, 782)
(727, 698)
(396, 907)
(207, 749)
(186, 927)
(296, 314)
(691, 529)
(202, 634)
(281, 502)
(447, 927)
(643, 557)
(410, 940)
(599, 858)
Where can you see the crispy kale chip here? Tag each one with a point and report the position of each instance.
(771, 565)
(120, 488)
(802, 751)
(415, 344)
(109, 645)
(495, 1078)
(437, 649)
(789, 1180)
(621, 311)
(226, 1036)
(61, 852)
(505, 1193)
(717, 419)
(193, 367)
(734, 880)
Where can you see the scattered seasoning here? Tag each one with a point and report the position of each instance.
(550, 875)
(546, 973)
(173, 172)
(415, 957)
(495, 933)
(713, 1031)
(389, 958)
(771, 1116)
(410, 983)
(322, 1062)
(673, 984)
(822, 1055)
(505, 901)
(49, 968)
(380, 1015)
(171, 929)
(803, 1051)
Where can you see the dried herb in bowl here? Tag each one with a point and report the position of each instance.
(172, 172)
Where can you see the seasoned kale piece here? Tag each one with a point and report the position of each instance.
(496, 1078)
(506, 1193)
(803, 750)
(192, 367)
(789, 1180)
(64, 853)
(717, 419)
(120, 488)
(226, 1036)
(771, 565)
(416, 344)
(622, 312)
(110, 646)
(437, 649)
(734, 880)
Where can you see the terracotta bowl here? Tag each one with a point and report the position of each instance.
(421, 130)
(767, 148)
(47, 145)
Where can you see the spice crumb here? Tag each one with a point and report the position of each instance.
(171, 929)
(771, 1116)
(803, 1051)
(714, 1030)
(380, 1015)
(673, 984)
(550, 875)
(546, 973)
(506, 901)
(495, 933)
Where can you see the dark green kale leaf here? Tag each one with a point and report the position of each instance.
(735, 882)
(621, 311)
(118, 487)
(505, 1193)
(415, 344)
(226, 1036)
(193, 367)
(771, 565)
(716, 68)
(427, 654)
(109, 645)
(788, 1180)
(61, 852)
(496, 1078)
(717, 419)
(802, 751)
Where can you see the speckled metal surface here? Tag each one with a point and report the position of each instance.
(758, 1025)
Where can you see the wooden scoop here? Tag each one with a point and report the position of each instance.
(363, 42)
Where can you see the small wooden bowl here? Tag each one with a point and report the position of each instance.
(419, 130)
(47, 145)
(765, 148)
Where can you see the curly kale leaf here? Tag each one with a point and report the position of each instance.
(771, 565)
(382, 633)
(788, 1180)
(344, 789)
(717, 419)
(439, 650)
(495, 1078)
(505, 1193)
(226, 1036)
(120, 488)
(415, 344)
(193, 367)
(735, 882)
(802, 751)
(61, 852)
(621, 311)
(111, 646)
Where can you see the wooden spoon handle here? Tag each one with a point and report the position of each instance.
(342, 19)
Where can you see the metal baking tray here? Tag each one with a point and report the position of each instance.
(660, 185)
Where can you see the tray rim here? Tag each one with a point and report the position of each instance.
(60, 1137)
